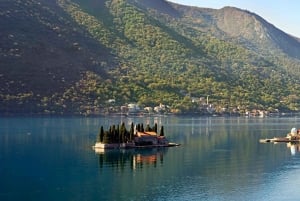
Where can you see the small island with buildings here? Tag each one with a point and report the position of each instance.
(292, 137)
(118, 137)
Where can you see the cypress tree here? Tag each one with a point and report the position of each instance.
(131, 133)
(101, 134)
(142, 128)
(122, 133)
(155, 128)
(139, 128)
(162, 131)
(107, 137)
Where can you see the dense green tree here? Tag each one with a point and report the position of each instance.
(123, 132)
(142, 127)
(107, 138)
(162, 133)
(155, 128)
(131, 132)
(100, 135)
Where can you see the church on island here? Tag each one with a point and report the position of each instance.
(118, 137)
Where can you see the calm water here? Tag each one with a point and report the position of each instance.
(219, 159)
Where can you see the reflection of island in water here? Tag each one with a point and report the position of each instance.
(295, 147)
(134, 159)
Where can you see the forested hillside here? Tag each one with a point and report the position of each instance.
(73, 56)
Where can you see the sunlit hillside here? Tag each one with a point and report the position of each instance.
(73, 56)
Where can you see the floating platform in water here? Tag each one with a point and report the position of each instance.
(280, 139)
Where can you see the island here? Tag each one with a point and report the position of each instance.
(118, 137)
(292, 137)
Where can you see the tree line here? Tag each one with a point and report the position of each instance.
(119, 133)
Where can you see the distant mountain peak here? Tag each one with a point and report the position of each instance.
(240, 26)
(257, 31)
(239, 23)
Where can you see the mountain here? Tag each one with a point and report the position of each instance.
(241, 27)
(256, 32)
(73, 56)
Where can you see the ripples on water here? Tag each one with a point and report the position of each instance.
(219, 159)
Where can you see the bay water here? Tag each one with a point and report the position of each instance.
(220, 158)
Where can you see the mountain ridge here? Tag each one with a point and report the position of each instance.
(232, 21)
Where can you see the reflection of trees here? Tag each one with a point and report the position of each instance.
(135, 158)
(114, 159)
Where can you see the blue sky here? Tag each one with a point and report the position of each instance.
(284, 14)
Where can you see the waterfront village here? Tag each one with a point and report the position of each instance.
(118, 137)
(202, 107)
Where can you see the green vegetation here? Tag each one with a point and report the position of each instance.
(116, 50)
(119, 134)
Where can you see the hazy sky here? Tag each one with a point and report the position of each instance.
(284, 14)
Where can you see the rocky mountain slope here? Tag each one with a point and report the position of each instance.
(229, 23)
(72, 56)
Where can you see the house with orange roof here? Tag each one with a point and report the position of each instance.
(149, 138)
